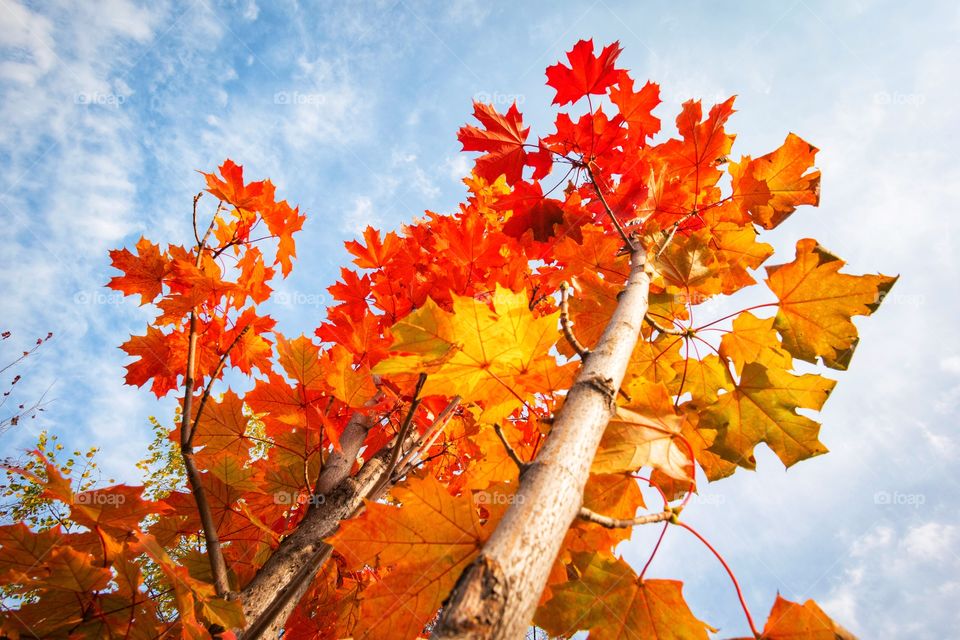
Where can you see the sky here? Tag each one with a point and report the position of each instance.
(108, 108)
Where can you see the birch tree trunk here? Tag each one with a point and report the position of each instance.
(496, 596)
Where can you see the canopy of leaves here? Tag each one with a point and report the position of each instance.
(459, 307)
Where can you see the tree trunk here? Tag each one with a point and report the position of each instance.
(496, 596)
(270, 597)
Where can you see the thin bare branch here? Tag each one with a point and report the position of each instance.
(402, 434)
(218, 565)
(510, 450)
(673, 331)
(616, 223)
(621, 523)
(581, 350)
(429, 438)
(209, 387)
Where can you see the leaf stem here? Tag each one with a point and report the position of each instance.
(733, 578)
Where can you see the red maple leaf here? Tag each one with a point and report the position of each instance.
(586, 74)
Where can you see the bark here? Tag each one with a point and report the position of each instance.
(271, 596)
(298, 558)
(496, 596)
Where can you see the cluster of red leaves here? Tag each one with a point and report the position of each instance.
(470, 299)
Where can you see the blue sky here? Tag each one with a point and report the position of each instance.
(107, 109)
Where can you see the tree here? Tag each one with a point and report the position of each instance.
(463, 446)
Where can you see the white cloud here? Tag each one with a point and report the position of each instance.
(893, 585)
(359, 216)
(29, 36)
(251, 10)
(458, 167)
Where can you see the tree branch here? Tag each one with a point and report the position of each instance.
(496, 595)
(521, 465)
(402, 434)
(667, 330)
(581, 350)
(218, 566)
(620, 523)
(430, 437)
(616, 223)
(287, 575)
(209, 387)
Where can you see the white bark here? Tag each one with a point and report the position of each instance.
(497, 595)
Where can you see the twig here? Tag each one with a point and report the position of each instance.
(521, 465)
(429, 437)
(620, 523)
(218, 565)
(206, 391)
(667, 330)
(676, 226)
(196, 232)
(402, 435)
(581, 350)
(616, 223)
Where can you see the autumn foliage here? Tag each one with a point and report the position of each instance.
(455, 340)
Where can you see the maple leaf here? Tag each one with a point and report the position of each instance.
(353, 385)
(616, 495)
(692, 163)
(593, 134)
(817, 303)
(645, 433)
(587, 73)
(763, 408)
(792, 621)
(221, 429)
(117, 510)
(232, 188)
(771, 187)
(609, 600)
(702, 379)
(142, 273)
(737, 250)
(21, 549)
(250, 350)
(484, 355)
(754, 339)
(283, 221)
(425, 545)
(544, 217)
(160, 356)
(689, 265)
(254, 275)
(301, 406)
(377, 252)
(502, 141)
(636, 107)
